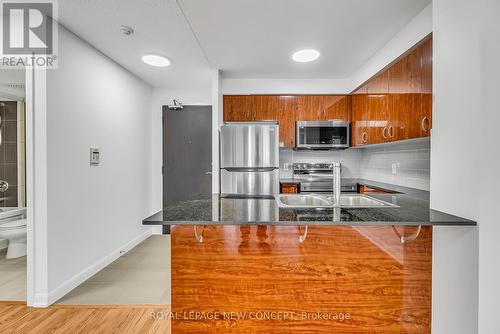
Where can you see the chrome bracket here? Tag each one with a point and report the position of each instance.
(198, 237)
(303, 237)
(403, 239)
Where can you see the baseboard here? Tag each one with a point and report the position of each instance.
(44, 300)
(157, 230)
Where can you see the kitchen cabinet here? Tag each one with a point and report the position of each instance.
(360, 120)
(237, 108)
(378, 108)
(287, 109)
(265, 107)
(336, 107)
(309, 108)
(425, 119)
(289, 188)
(396, 104)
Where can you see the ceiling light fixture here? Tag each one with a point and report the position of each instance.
(156, 60)
(306, 55)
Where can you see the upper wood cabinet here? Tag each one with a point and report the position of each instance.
(287, 113)
(265, 107)
(309, 108)
(237, 108)
(396, 104)
(286, 109)
(336, 107)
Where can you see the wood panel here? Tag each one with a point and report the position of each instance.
(289, 188)
(74, 319)
(237, 108)
(359, 126)
(265, 107)
(399, 100)
(425, 120)
(364, 272)
(286, 116)
(309, 108)
(336, 107)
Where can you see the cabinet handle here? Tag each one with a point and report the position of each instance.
(425, 120)
(384, 133)
(412, 237)
(364, 137)
(391, 131)
(303, 237)
(198, 237)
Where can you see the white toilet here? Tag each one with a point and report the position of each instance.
(13, 229)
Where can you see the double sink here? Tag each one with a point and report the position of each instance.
(328, 201)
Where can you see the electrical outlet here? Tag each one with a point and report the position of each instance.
(395, 167)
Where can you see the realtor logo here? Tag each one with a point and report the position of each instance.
(29, 33)
(27, 28)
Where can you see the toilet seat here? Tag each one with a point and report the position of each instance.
(15, 224)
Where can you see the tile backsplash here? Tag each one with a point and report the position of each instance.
(405, 163)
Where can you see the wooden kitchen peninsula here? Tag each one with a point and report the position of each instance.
(340, 279)
(249, 266)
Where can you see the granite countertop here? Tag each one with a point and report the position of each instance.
(413, 209)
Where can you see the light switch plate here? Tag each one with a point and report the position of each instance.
(95, 156)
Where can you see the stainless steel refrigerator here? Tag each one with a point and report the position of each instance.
(249, 159)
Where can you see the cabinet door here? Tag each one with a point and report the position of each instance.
(237, 108)
(335, 107)
(378, 109)
(405, 86)
(265, 107)
(286, 116)
(359, 124)
(309, 108)
(425, 119)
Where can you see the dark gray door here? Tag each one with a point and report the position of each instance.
(187, 153)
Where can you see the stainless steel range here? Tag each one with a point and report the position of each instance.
(318, 178)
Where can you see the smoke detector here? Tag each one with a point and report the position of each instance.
(127, 31)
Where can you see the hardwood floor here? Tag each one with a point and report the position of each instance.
(16, 317)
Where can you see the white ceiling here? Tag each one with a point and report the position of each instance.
(243, 38)
(159, 28)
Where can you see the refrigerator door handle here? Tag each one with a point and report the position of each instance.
(254, 169)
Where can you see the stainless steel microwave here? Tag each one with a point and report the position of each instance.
(322, 135)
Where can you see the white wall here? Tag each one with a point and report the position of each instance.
(419, 27)
(455, 164)
(286, 86)
(92, 212)
(489, 162)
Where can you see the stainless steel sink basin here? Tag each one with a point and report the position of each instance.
(325, 201)
(302, 201)
(359, 201)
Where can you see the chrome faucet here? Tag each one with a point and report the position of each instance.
(336, 182)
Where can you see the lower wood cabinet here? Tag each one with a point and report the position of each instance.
(289, 188)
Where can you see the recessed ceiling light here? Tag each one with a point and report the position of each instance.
(156, 60)
(306, 55)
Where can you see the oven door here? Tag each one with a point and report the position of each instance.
(322, 134)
